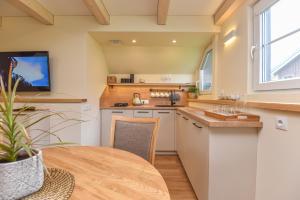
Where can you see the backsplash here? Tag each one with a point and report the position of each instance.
(117, 94)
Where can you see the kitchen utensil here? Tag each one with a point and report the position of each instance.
(136, 99)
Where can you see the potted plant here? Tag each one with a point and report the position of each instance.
(21, 165)
(192, 92)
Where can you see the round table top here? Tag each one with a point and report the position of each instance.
(107, 173)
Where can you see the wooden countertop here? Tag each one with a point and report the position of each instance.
(198, 115)
(291, 107)
(143, 107)
(107, 173)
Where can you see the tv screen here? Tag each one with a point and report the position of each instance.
(31, 67)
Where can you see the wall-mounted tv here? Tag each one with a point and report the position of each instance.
(31, 67)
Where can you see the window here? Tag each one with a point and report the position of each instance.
(277, 44)
(205, 83)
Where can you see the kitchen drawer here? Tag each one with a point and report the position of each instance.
(106, 117)
(143, 113)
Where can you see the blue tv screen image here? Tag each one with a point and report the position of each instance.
(31, 68)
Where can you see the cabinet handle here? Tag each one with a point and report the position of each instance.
(117, 111)
(164, 112)
(197, 125)
(178, 114)
(142, 111)
(185, 118)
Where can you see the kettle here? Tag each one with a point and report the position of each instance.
(136, 99)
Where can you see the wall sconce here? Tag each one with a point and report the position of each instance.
(229, 37)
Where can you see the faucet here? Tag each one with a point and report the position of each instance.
(173, 98)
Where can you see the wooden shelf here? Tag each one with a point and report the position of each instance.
(291, 107)
(153, 84)
(48, 100)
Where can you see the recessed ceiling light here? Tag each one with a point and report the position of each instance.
(174, 41)
(133, 41)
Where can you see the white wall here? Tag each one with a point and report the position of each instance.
(97, 72)
(77, 66)
(278, 157)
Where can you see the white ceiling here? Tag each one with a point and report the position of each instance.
(6, 9)
(131, 7)
(152, 60)
(184, 39)
(120, 7)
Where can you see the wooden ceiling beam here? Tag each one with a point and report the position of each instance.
(34, 9)
(226, 9)
(162, 11)
(98, 9)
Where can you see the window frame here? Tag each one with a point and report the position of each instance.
(206, 92)
(258, 85)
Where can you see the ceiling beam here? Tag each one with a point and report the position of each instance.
(98, 9)
(34, 9)
(225, 10)
(162, 11)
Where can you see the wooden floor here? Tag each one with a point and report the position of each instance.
(172, 171)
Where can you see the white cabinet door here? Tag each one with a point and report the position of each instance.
(178, 132)
(166, 132)
(183, 143)
(106, 116)
(196, 157)
(143, 113)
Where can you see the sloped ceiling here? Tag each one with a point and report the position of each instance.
(152, 60)
(153, 53)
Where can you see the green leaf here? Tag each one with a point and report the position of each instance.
(41, 119)
(5, 148)
(58, 144)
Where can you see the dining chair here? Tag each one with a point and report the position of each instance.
(136, 135)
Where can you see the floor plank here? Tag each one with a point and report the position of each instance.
(172, 171)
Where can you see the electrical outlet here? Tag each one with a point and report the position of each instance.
(282, 123)
(87, 107)
(145, 101)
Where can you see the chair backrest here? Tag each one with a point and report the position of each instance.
(136, 135)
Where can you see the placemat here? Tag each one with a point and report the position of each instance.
(58, 185)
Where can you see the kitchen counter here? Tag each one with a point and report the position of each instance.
(198, 115)
(142, 107)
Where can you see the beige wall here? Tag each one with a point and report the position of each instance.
(278, 158)
(65, 44)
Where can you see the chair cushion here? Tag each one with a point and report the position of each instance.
(134, 137)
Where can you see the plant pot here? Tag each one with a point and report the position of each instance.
(192, 95)
(21, 178)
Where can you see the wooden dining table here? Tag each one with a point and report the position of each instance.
(108, 173)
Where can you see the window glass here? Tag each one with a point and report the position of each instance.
(280, 42)
(206, 73)
(285, 17)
